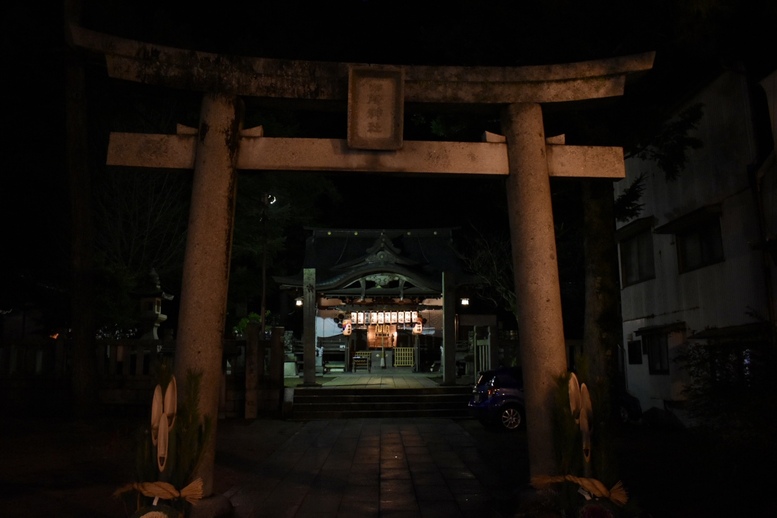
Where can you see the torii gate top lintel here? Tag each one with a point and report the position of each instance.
(315, 81)
(328, 81)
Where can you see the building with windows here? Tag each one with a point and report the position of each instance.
(699, 266)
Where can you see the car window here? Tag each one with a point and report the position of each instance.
(484, 378)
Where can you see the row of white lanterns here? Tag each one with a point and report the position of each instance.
(383, 317)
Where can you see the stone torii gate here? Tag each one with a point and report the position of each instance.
(219, 147)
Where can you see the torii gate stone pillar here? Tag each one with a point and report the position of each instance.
(206, 262)
(537, 289)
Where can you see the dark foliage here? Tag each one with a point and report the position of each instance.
(627, 205)
(668, 147)
(731, 396)
(730, 391)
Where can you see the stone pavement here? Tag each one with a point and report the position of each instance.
(55, 466)
(371, 467)
(388, 378)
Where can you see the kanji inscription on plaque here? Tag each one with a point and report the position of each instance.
(375, 107)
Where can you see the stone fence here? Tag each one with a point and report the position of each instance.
(38, 374)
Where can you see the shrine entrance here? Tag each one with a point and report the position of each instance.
(379, 297)
(374, 97)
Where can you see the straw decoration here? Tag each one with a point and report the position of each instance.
(164, 490)
(617, 494)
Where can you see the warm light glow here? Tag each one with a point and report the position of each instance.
(298, 301)
(465, 301)
(418, 328)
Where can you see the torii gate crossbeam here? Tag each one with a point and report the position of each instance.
(307, 154)
(219, 148)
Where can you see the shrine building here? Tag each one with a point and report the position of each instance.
(386, 299)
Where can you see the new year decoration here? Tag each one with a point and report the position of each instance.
(166, 454)
(581, 411)
(163, 410)
(617, 494)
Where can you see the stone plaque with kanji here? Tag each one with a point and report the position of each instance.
(375, 107)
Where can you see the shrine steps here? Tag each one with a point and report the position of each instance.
(315, 403)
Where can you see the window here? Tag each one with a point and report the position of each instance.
(636, 251)
(657, 346)
(635, 352)
(697, 236)
(700, 246)
(637, 258)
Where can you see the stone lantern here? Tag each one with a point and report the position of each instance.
(150, 294)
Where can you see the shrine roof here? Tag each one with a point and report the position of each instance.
(341, 255)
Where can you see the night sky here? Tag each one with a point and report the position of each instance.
(692, 43)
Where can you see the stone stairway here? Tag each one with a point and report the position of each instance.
(311, 403)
